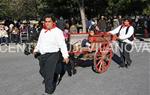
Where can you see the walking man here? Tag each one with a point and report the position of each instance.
(50, 42)
(125, 33)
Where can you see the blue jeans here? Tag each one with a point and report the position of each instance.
(4, 40)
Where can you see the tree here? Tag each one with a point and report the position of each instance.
(130, 7)
(4, 10)
(67, 8)
(82, 12)
(58, 7)
(19, 8)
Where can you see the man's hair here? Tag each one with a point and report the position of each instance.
(50, 16)
(129, 20)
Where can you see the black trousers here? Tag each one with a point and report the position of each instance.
(125, 50)
(47, 64)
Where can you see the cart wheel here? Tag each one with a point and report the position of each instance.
(102, 58)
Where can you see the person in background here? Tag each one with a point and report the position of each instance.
(115, 22)
(1, 29)
(4, 36)
(15, 35)
(125, 36)
(73, 28)
(61, 23)
(50, 43)
(102, 25)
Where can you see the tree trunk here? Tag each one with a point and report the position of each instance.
(82, 12)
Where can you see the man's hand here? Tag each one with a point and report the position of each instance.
(33, 53)
(66, 60)
(36, 54)
(115, 37)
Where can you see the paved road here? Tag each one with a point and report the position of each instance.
(19, 76)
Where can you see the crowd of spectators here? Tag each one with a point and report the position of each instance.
(14, 31)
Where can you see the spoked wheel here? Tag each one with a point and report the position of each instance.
(102, 58)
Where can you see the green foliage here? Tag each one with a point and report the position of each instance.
(18, 8)
(67, 8)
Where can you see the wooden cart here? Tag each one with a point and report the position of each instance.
(100, 50)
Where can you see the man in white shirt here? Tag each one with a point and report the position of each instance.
(125, 33)
(50, 42)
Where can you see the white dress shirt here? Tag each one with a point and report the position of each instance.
(51, 41)
(123, 35)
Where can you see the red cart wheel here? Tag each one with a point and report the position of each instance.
(102, 58)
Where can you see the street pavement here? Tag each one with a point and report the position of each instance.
(19, 76)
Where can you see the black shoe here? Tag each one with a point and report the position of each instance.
(46, 94)
(129, 63)
(50, 92)
(43, 82)
(122, 65)
(126, 65)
